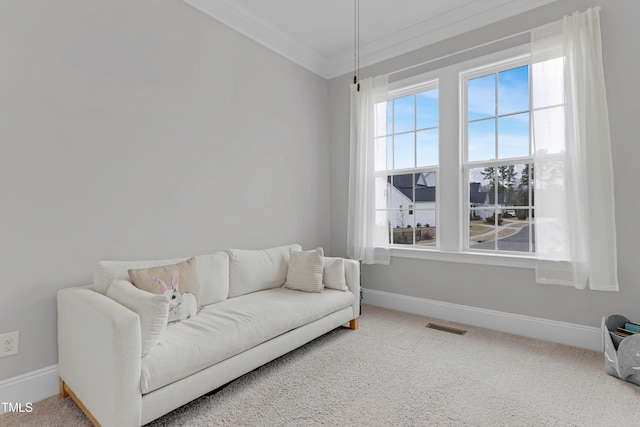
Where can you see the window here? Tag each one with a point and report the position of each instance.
(498, 157)
(407, 152)
(454, 161)
(477, 182)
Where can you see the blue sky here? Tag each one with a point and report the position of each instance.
(498, 126)
(483, 103)
(407, 114)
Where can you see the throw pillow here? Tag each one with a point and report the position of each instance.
(305, 270)
(153, 310)
(179, 282)
(334, 274)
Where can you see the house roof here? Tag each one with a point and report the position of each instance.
(404, 183)
(426, 193)
(483, 197)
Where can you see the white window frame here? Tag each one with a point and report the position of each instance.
(451, 195)
(465, 76)
(413, 86)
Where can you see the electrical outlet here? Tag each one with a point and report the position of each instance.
(9, 344)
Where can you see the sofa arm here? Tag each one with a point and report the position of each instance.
(99, 355)
(352, 273)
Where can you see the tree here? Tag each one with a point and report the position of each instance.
(489, 174)
(507, 178)
(522, 191)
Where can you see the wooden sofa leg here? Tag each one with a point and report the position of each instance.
(65, 391)
(354, 324)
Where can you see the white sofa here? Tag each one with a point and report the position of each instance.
(247, 318)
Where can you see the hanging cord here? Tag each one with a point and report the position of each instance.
(356, 43)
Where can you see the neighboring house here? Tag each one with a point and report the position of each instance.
(482, 202)
(405, 210)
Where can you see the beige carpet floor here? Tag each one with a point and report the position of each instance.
(394, 371)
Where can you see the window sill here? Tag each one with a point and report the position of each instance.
(465, 257)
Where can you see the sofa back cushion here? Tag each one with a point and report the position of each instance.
(213, 274)
(257, 270)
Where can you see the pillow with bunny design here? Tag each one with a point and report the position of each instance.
(182, 290)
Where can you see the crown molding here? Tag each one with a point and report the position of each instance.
(434, 30)
(473, 16)
(262, 32)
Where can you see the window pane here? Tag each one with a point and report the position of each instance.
(482, 140)
(402, 221)
(425, 191)
(403, 151)
(515, 236)
(547, 78)
(514, 185)
(482, 229)
(425, 228)
(381, 154)
(427, 148)
(513, 136)
(390, 117)
(481, 97)
(401, 194)
(404, 114)
(548, 130)
(402, 235)
(389, 152)
(401, 216)
(381, 187)
(481, 186)
(427, 109)
(508, 181)
(513, 90)
(382, 235)
(380, 118)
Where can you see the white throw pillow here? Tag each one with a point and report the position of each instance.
(334, 275)
(305, 270)
(153, 310)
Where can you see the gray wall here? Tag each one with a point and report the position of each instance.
(132, 130)
(135, 130)
(514, 290)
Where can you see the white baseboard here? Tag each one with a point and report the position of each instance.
(533, 327)
(30, 387)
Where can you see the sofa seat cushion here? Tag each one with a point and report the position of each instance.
(232, 326)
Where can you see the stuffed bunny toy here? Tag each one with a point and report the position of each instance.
(181, 306)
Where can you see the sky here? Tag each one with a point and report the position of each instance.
(498, 115)
(498, 122)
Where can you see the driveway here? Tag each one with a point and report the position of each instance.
(518, 242)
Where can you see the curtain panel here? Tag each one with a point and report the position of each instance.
(575, 218)
(368, 235)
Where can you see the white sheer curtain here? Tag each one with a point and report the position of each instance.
(368, 235)
(575, 222)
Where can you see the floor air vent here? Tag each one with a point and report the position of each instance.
(446, 329)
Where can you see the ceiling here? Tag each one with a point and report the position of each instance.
(319, 34)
